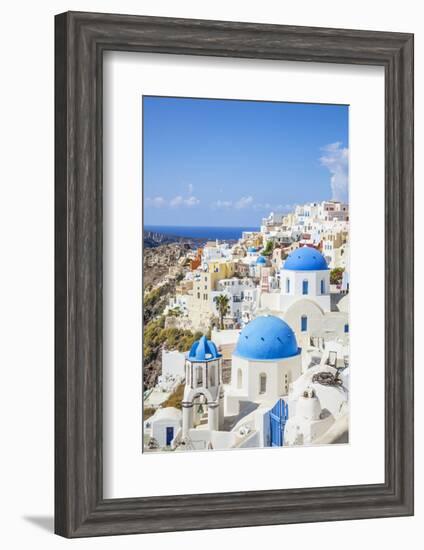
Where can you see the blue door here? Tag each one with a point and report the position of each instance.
(278, 416)
(169, 436)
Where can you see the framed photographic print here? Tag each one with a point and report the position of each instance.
(234, 274)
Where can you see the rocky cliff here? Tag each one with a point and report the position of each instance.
(163, 262)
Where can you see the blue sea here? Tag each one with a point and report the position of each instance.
(201, 232)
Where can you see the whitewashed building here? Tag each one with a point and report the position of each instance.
(304, 299)
(242, 298)
(265, 362)
(163, 426)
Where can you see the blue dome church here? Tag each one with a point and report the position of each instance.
(261, 260)
(265, 362)
(305, 275)
(303, 299)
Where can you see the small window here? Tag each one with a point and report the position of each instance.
(346, 328)
(262, 383)
(303, 323)
(239, 379)
(305, 287)
(288, 286)
(322, 286)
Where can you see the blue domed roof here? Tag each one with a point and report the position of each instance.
(305, 258)
(203, 350)
(267, 338)
(261, 260)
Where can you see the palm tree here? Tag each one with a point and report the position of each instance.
(222, 304)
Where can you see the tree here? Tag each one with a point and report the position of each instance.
(222, 303)
(336, 275)
(268, 248)
(175, 312)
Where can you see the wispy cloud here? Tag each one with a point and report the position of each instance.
(175, 202)
(222, 204)
(272, 207)
(179, 200)
(191, 201)
(248, 202)
(335, 158)
(244, 202)
(157, 202)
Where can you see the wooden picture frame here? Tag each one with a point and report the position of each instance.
(81, 39)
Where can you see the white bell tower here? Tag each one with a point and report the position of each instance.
(203, 385)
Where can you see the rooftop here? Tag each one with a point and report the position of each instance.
(267, 338)
(203, 350)
(305, 258)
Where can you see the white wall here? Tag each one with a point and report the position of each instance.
(173, 362)
(26, 277)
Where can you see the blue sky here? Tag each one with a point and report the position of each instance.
(229, 163)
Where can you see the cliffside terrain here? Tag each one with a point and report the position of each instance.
(164, 265)
(163, 262)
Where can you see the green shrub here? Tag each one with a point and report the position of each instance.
(336, 275)
(268, 248)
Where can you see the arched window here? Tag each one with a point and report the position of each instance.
(262, 383)
(303, 323)
(239, 379)
(199, 376)
(212, 368)
(287, 285)
(305, 287)
(322, 286)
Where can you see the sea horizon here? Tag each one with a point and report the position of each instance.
(201, 231)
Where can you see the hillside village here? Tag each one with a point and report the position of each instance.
(247, 343)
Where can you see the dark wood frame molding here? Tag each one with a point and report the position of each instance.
(80, 40)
